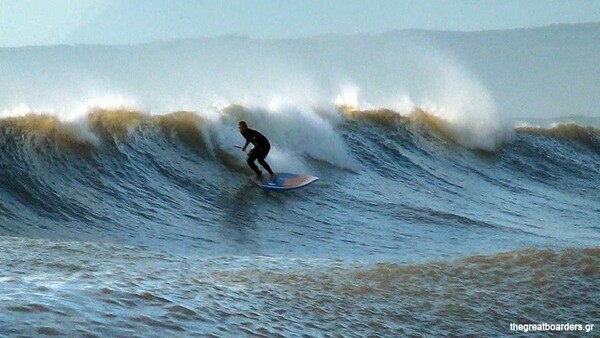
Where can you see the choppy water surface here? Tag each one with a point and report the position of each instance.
(72, 288)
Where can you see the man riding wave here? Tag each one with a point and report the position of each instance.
(260, 151)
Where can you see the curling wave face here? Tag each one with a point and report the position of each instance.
(124, 172)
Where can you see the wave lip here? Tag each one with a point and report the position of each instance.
(39, 128)
(587, 135)
(295, 130)
(476, 135)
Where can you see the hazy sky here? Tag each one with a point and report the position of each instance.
(44, 22)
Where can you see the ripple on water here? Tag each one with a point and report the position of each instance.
(49, 331)
(283, 297)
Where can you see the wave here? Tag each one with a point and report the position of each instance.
(483, 136)
(586, 135)
(127, 166)
(295, 132)
(38, 129)
(343, 138)
(538, 267)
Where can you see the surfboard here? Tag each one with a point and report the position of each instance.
(285, 181)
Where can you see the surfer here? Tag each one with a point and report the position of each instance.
(260, 151)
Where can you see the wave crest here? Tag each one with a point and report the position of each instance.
(589, 136)
(42, 129)
(477, 136)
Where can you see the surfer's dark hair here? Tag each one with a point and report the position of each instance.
(243, 123)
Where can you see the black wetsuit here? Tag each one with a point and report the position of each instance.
(260, 151)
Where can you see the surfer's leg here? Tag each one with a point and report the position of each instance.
(261, 159)
(252, 155)
(265, 165)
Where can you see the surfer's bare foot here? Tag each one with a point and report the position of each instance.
(259, 175)
(272, 177)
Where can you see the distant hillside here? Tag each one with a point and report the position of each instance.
(541, 72)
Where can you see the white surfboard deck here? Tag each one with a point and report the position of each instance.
(285, 181)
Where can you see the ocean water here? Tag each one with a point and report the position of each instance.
(126, 210)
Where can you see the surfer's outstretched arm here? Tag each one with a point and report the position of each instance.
(245, 145)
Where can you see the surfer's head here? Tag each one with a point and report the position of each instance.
(242, 126)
